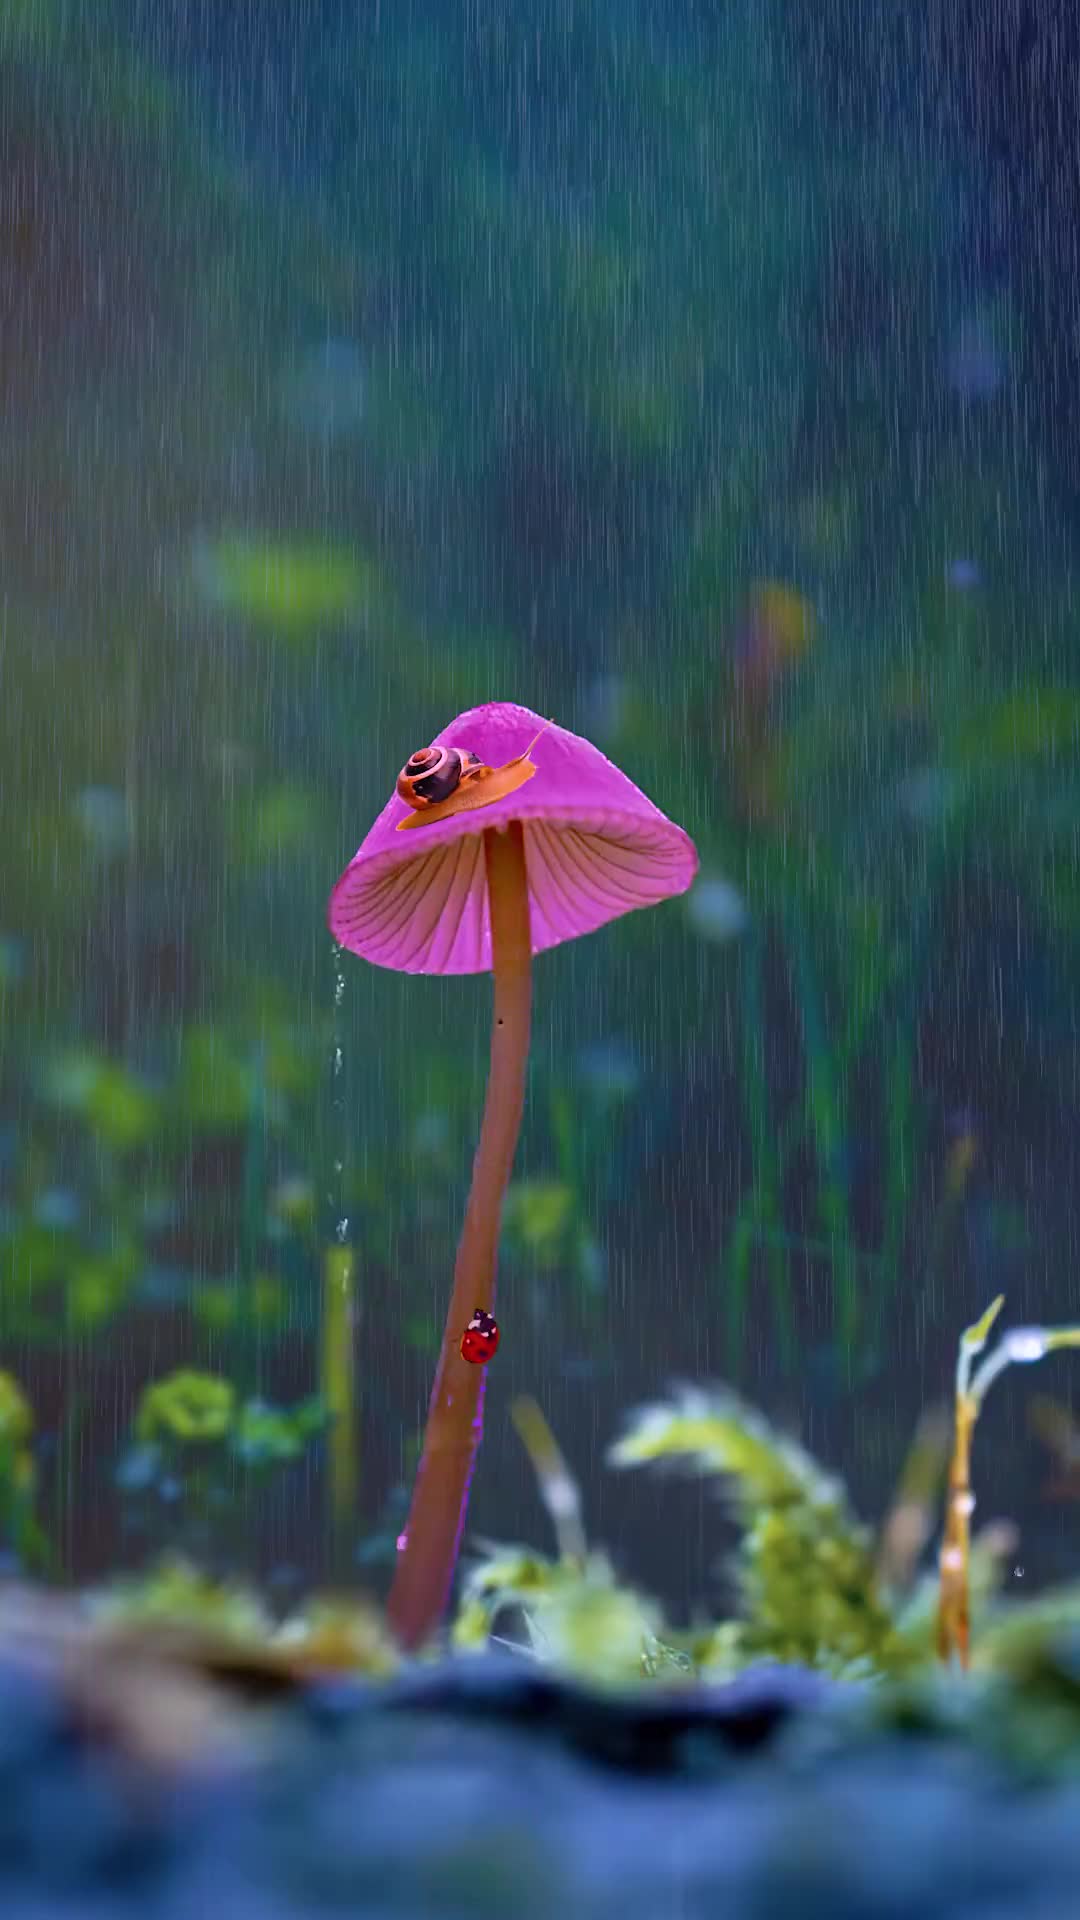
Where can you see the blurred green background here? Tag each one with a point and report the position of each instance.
(649, 368)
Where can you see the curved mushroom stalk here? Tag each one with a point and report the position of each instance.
(428, 1548)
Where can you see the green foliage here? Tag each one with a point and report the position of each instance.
(186, 1409)
(265, 1437)
(540, 1218)
(54, 1285)
(648, 340)
(224, 1306)
(16, 1417)
(809, 1583)
(197, 1451)
(282, 820)
(19, 1531)
(216, 1088)
(293, 589)
(117, 1107)
(192, 1411)
(577, 1617)
(175, 1593)
(809, 1577)
(214, 1616)
(806, 1570)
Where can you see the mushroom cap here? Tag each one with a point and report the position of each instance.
(595, 848)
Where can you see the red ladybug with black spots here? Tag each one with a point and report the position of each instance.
(480, 1338)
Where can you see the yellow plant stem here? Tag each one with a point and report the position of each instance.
(338, 1384)
(428, 1548)
(558, 1488)
(954, 1615)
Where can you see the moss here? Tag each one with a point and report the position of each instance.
(806, 1569)
(811, 1578)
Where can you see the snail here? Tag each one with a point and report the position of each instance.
(437, 782)
(434, 773)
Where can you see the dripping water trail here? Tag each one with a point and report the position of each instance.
(339, 1309)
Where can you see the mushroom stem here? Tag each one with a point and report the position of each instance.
(428, 1548)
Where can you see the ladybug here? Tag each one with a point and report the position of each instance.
(480, 1338)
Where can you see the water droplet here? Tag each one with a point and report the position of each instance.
(1026, 1343)
(324, 391)
(717, 911)
(963, 575)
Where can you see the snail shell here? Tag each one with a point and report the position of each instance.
(433, 774)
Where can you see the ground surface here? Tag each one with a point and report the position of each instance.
(485, 1790)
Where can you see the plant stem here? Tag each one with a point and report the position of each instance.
(339, 1391)
(1019, 1347)
(428, 1549)
(954, 1562)
(954, 1619)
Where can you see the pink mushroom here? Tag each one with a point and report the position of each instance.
(485, 863)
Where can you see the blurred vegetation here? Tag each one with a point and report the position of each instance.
(813, 1587)
(663, 331)
(200, 1457)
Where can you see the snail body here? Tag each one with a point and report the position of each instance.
(438, 782)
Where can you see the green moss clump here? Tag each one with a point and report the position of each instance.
(805, 1569)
